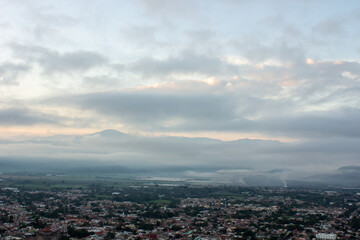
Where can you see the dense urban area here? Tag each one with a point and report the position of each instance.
(35, 208)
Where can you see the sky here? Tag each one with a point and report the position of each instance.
(275, 72)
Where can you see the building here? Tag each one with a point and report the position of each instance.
(326, 236)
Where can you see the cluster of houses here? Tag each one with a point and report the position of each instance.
(71, 214)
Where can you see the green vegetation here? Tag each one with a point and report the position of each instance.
(78, 233)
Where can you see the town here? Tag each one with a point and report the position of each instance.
(167, 211)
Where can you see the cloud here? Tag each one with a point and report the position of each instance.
(187, 62)
(103, 80)
(157, 109)
(202, 106)
(170, 10)
(341, 122)
(54, 62)
(9, 72)
(329, 28)
(320, 102)
(183, 68)
(258, 52)
(24, 117)
(142, 35)
(179, 156)
(200, 36)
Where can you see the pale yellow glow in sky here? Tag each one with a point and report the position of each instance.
(9, 132)
(226, 136)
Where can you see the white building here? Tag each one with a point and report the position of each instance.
(325, 236)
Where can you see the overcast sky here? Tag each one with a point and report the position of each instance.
(270, 70)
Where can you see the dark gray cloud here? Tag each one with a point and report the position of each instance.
(318, 124)
(341, 122)
(156, 109)
(159, 111)
(9, 72)
(54, 62)
(24, 116)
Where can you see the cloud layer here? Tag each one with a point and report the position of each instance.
(183, 68)
(194, 158)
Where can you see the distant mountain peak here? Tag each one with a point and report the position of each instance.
(111, 133)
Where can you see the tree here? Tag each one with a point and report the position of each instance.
(110, 235)
(78, 233)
